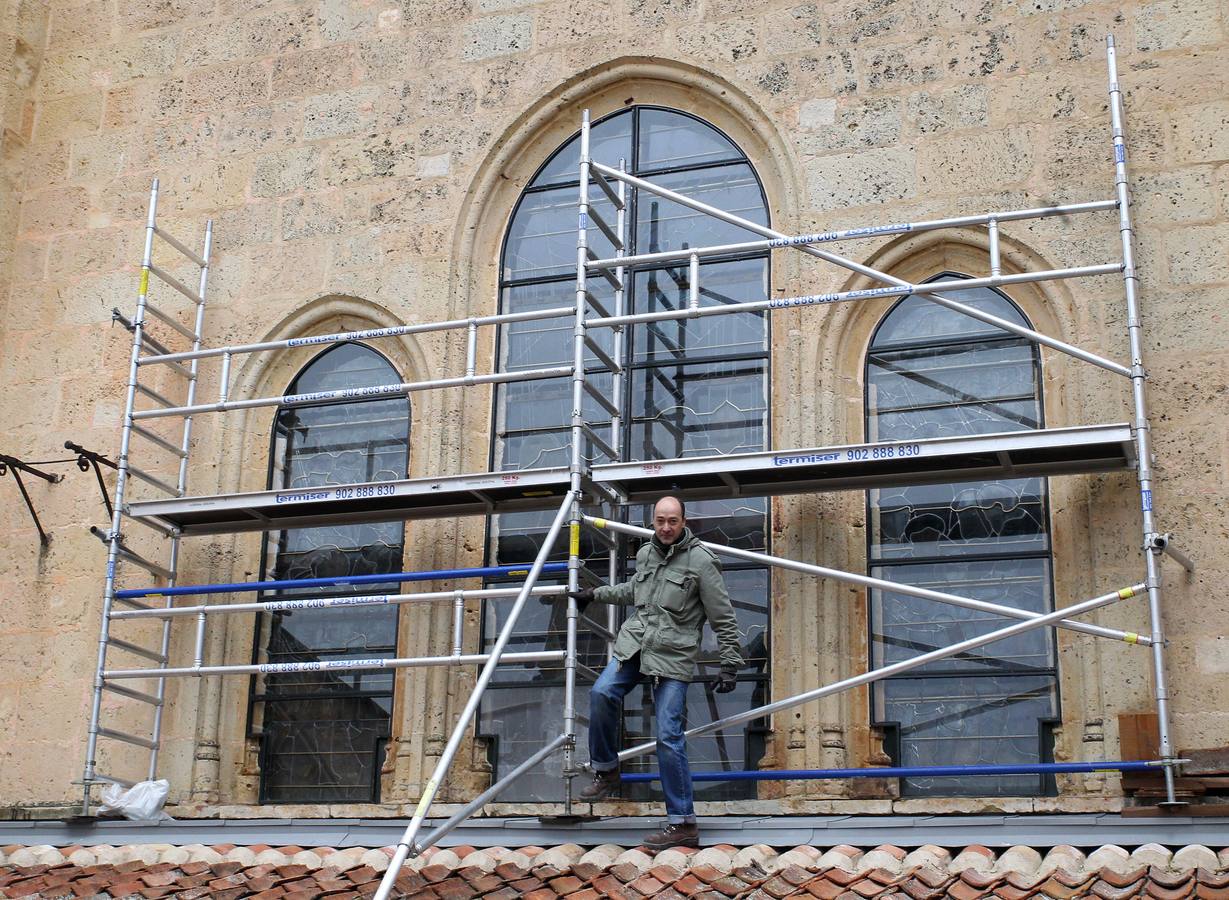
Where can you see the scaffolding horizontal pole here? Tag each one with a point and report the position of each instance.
(596, 218)
(332, 602)
(908, 771)
(882, 584)
(128, 738)
(600, 180)
(154, 480)
(892, 280)
(178, 285)
(131, 694)
(906, 665)
(1041, 212)
(367, 334)
(170, 320)
(336, 665)
(159, 441)
(241, 587)
(180, 246)
(376, 392)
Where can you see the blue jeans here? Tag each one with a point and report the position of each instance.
(670, 702)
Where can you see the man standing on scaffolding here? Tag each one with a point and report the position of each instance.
(678, 586)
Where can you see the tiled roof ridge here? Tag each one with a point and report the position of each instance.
(720, 872)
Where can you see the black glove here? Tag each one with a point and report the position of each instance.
(725, 681)
(583, 598)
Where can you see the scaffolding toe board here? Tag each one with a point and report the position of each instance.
(989, 457)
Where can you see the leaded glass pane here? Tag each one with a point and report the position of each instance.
(957, 519)
(933, 373)
(993, 720)
(674, 340)
(321, 731)
(610, 140)
(702, 409)
(668, 140)
(665, 225)
(906, 626)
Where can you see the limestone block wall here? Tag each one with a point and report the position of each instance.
(360, 161)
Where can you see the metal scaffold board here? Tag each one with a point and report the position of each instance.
(379, 501)
(1054, 451)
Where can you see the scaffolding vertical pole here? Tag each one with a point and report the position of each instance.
(121, 483)
(577, 461)
(182, 487)
(617, 389)
(1140, 426)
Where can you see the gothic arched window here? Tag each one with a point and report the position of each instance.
(323, 733)
(932, 372)
(694, 387)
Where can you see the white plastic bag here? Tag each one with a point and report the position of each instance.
(141, 803)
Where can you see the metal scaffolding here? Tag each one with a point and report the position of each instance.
(610, 486)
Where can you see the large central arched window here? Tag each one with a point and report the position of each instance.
(934, 373)
(323, 733)
(693, 388)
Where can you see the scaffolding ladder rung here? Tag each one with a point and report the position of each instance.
(102, 777)
(140, 696)
(601, 354)
(596, 218)
(153, 344)
(153, 523)
(598, 305)
(128, 738)
(170, 320)
(601, 444)
(160, 441)
(155, 396)
(603, 401)
(135, 604)
(130, 555)
(138, 650)
(605, 273)
(155, 481)
(600, 180)
(178, 285)
(182, 248)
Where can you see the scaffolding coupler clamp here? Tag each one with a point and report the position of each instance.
(16, 467)
(1163, 543)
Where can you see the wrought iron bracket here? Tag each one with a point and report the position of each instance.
(13, 465)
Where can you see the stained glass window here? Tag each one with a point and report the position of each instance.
(932, 372)
(323, 733)
(695, 387)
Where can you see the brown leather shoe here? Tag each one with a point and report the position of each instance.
(602, 786)
(681, 834)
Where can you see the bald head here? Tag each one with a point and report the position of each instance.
(669, 519)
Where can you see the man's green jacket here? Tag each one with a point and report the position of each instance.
(675, 589)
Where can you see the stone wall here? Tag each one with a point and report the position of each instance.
(360, 160)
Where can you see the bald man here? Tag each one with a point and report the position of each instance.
(678, 586)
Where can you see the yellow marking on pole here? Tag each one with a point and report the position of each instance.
(1131, 638)
(574, 543)
(519, 572)
(599, 523)
(1126, 593)
(144, 286)
(428, 794)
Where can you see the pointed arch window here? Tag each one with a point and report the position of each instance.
(694, 387)
(323, 734)
(932, 372)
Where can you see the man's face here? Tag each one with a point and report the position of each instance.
(668, 521)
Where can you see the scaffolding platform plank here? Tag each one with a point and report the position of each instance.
(989, 457)
(379, 501)
(1055, 451)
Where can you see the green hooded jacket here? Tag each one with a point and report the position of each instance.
(674, 591)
